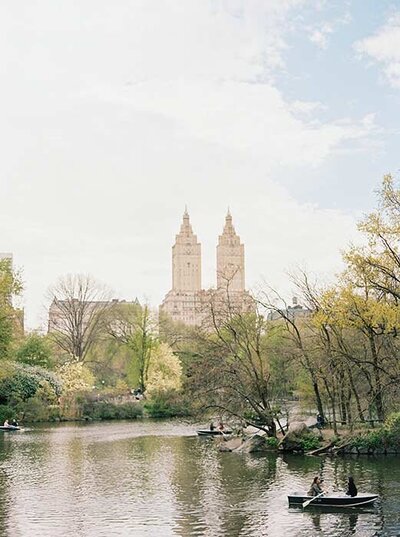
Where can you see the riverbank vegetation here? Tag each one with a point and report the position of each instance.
(335, 355)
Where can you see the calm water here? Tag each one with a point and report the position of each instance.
(157, 479)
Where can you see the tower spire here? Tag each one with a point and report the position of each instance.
(186, 258)
(230, 258)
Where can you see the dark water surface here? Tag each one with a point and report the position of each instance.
(156, 479)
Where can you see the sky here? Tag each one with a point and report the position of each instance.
(115, 115)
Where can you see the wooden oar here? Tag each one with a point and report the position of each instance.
(312, 499)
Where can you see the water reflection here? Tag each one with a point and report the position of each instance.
(153, 479)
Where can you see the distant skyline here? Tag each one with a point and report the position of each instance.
(117, 115)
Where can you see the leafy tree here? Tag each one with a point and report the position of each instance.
(10, 286)
(75, 378)
(35, 350)
(165, 371)
(133, 326)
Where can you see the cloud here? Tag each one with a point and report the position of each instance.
(320, 36)
(116, 116)
(384, 48)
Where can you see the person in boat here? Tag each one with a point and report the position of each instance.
(6, 424)
(351, 487)
(14, 423)
(221, 426)
(212, 426)
(316, 487)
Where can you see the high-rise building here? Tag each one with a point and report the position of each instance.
(186, 301)
(230, 259)
(186, 259)
(182, 301)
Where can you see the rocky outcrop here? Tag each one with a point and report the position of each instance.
(253, 444)
(294, 439)
(230, 444)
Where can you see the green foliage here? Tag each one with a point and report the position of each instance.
(386, 436)
(134, 327)
(75, 377)
(166, 404)
(310, 441)
(272, 442)
(22, 382)
(103, 410)
(6, 413)
(10, 285)
(35, 350)
(36, 409)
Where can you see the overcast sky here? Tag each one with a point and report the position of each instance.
(114, 115)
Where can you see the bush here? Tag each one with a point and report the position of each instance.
(311, 441)
(23, 381)
(35, 409)
(102, 410)
(272, 442)
(165, 405)
(6, 413)
(386, 436)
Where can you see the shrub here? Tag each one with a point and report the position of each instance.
(272, 442)
(385, 436)
(35, 409)
(102, 410)
(6, 413)
(21, 382)
(311, 441)
(166, 404)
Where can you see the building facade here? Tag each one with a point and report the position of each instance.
(187, 302)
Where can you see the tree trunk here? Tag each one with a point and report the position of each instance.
(378, 396)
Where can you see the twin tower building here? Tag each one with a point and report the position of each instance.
(186, 301)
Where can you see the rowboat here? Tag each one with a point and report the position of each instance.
(9, 428)
(328, 500)
(214, 432)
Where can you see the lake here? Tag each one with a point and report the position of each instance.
(149, 478)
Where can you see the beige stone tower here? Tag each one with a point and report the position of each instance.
(186, 259)
(230, 259)
(182, 302)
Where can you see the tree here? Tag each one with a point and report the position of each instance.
(77, 313)
(232, 372)
(10, 286)
(35, 350)
(133, 326)
(165, 371)
(300, 340)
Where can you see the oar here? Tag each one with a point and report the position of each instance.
(224, 436)
(312, 499)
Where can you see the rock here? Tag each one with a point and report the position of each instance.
(229, 445)
(297, 427)
(292, 441)
(254, 444)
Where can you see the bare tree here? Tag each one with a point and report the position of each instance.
(76, 313)
(232, 373)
